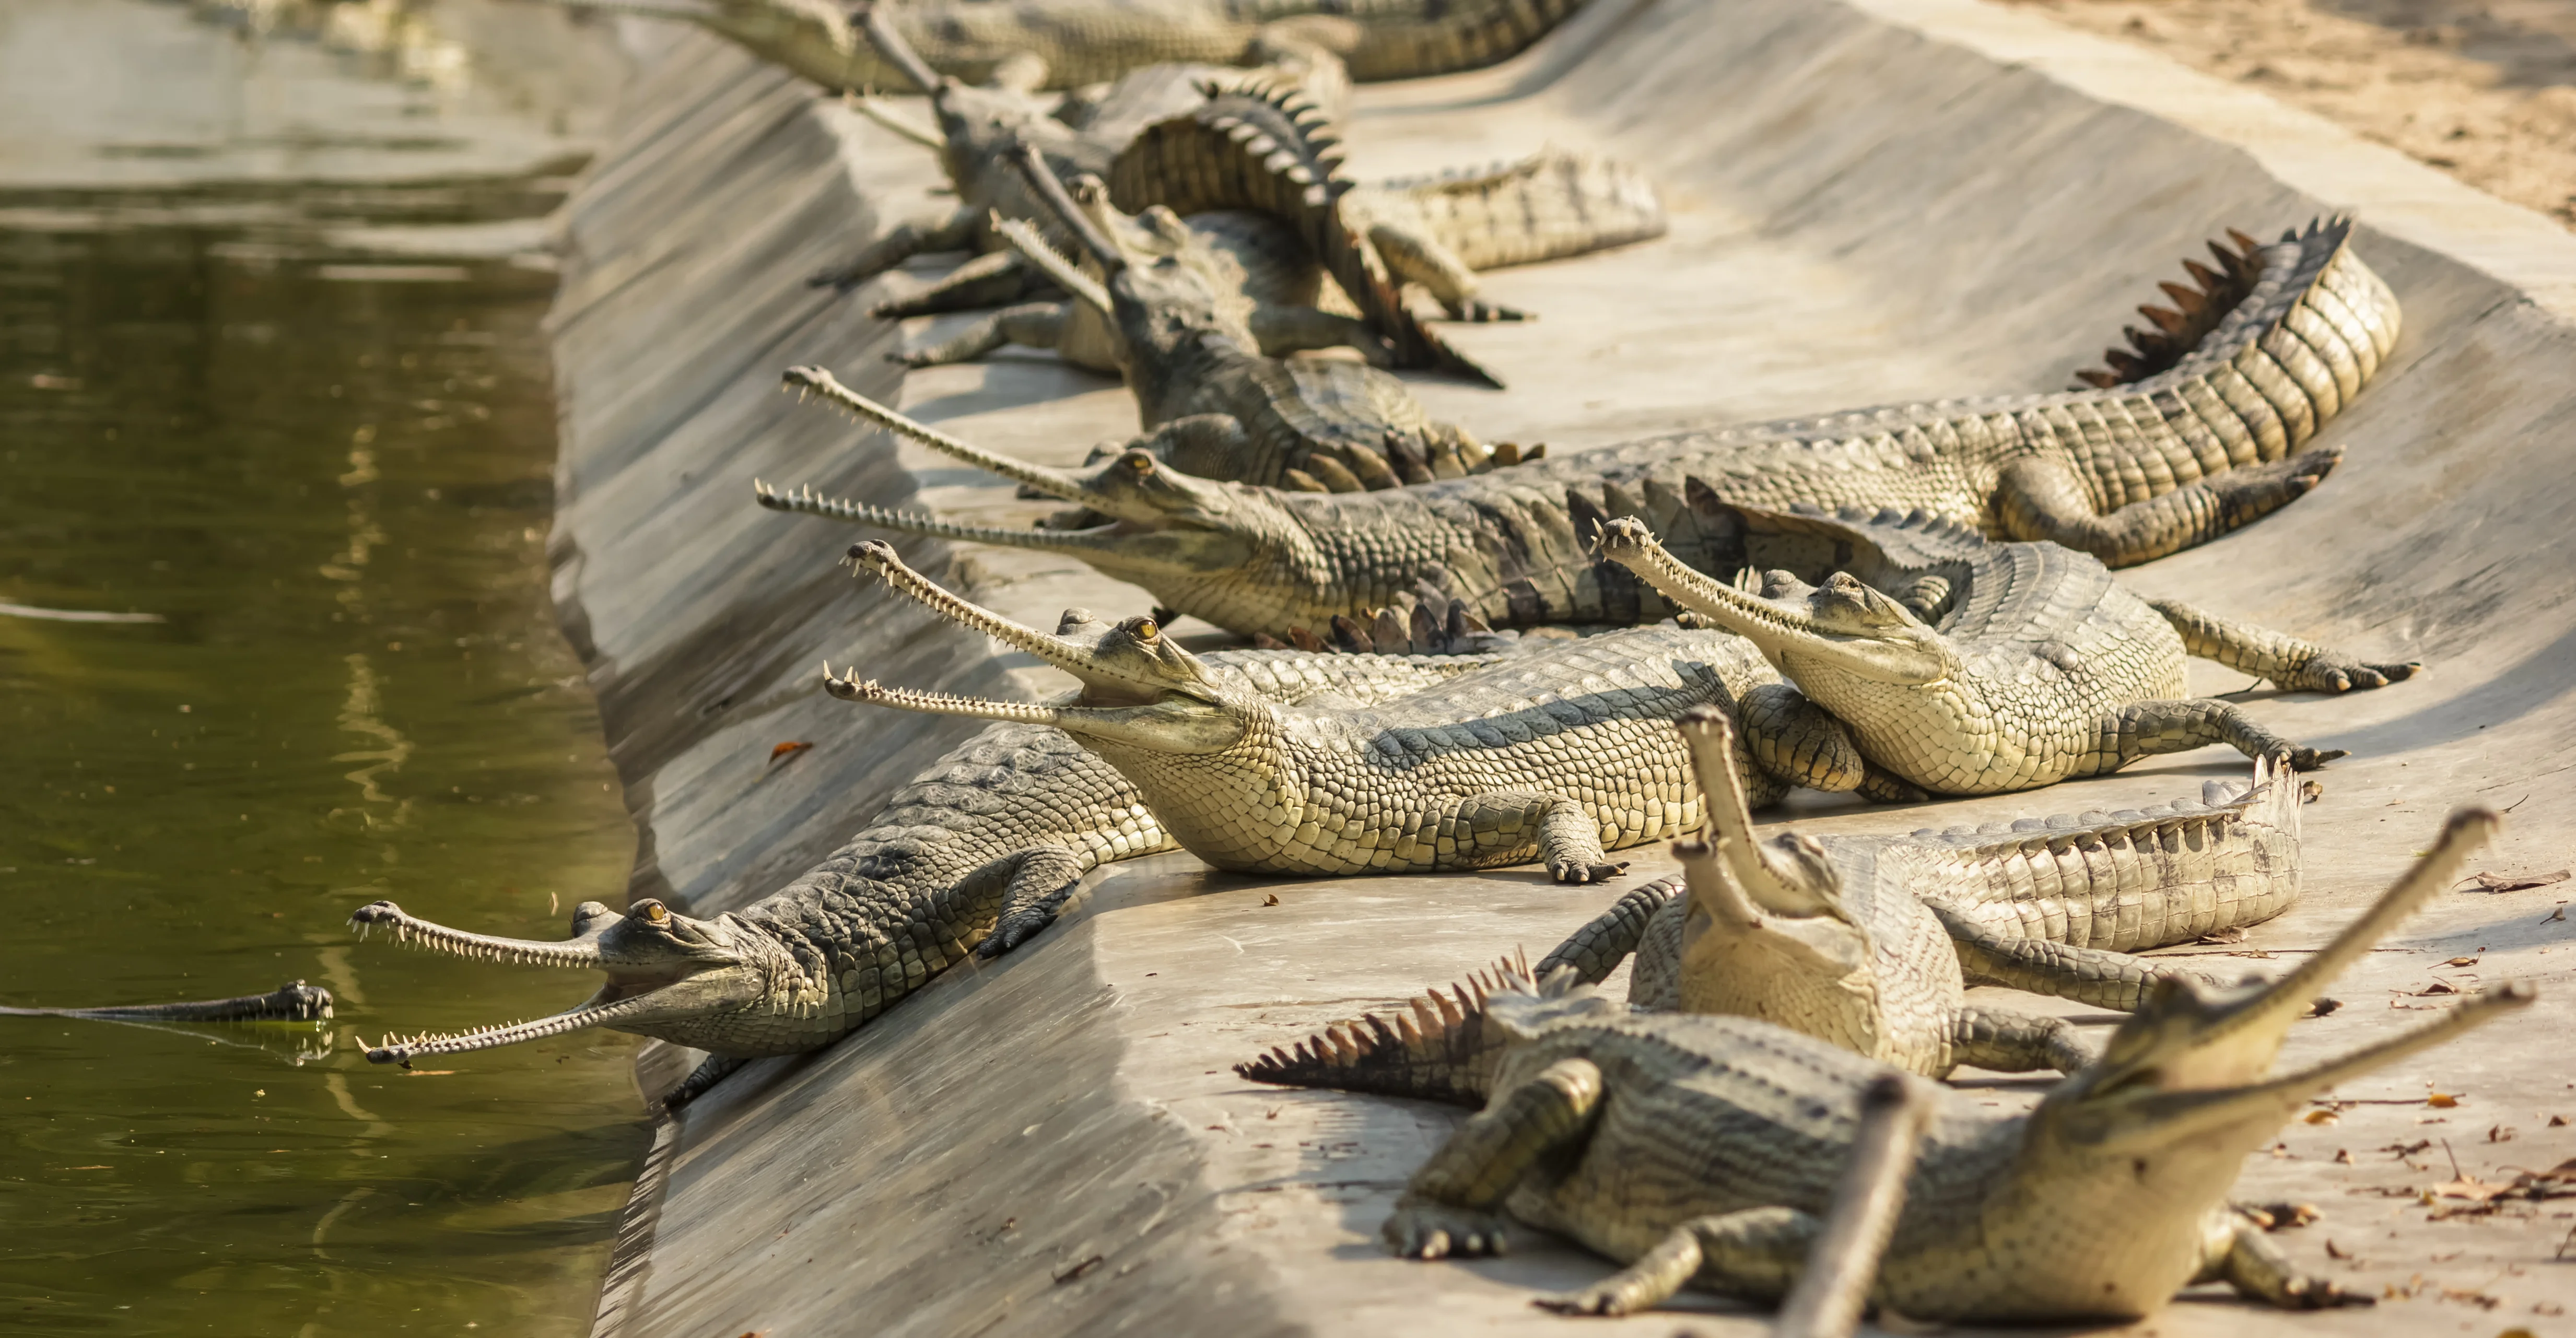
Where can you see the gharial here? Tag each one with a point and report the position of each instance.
(1561, 754)
(1091, 41)
(2197, 447)
(1437, 230)
(979, 852)
(1204, 394)
(978, 128)
(1697, 1150)
(1870, 941)
(2027, 664)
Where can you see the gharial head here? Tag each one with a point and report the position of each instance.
(1843, 622)
(1149, 292)
(1171, 533)
(668, 975)
(2184, 1077)
(1756, 907)
(1140, 688)
(972, 120)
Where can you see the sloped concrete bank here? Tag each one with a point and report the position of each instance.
(1874, 200)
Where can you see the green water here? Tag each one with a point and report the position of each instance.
(329, 472)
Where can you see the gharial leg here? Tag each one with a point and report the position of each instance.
(2291, 664)
(710, 1071)
(986, 281)
(1452, 1206)
(1497, 826)
(2009, 1042)
(2144, 729)
(2238, 1254)
(1419, 257)
(902, 242)
(2095, 976)
(1030, 324)
(1282, 330)
(1796, 741)
(2044, 499)
(1754, 1253)
(1595, 950)
(1041, 880)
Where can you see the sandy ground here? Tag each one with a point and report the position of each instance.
(2485, 91)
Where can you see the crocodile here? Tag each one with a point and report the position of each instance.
(293, 1001)
(976, 854)
(977, 130)
(1269, 149)
(2125, 473)
(2040, 666)
(1436, 230)
(1085, 42)
(1205, 396)
(2052, 905)
(1839, 938)
(1698, 1150)
(1562, 754)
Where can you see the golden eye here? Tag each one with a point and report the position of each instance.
(1140, 462)
(654, 913)
(1146, 630)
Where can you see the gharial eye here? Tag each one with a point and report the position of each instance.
(1140, 462)
(1146, 630)
(654, 913)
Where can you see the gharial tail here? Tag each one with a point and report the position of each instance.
(2287, 332)
(1442, 1048)
(1271, 151)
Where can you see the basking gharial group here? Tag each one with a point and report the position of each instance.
(1459, 655)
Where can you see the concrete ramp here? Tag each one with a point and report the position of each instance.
(1872, 201)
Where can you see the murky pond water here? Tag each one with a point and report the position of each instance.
(325, 470)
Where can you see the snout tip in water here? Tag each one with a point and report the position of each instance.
(377, 913)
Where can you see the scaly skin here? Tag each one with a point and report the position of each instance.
(1094, 41)
(1868, 941)
(1205, 397)
(1702, 1151)
(2041, 668)
(979, 852)
(1561, 754)
(1271, 150)
(293, 1001)
(1436, 231)
(977, 131)
(2126, 473)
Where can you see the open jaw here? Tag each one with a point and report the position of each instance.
(1137, 687)
(2193, 1059)
(661, 968)
(1774, 625)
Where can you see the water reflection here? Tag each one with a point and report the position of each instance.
(329, 490)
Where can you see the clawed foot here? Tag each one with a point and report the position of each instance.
(1602, 1300)
(2343, 673)
(2309, 759)
(1571, 871)
(1013, 931)
(1420, 1230)
(2321, 1294)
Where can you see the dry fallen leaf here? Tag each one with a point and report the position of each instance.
(2499, 1134)
(2441, 1100)
(2517, 882)
(2320, 1117)
(786, 750)
(2343, 1155)
(2461, 961)
(2557, 1121)
(2334, 1251)
(2222, 936)
(1271, 900)
(2558, 914)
